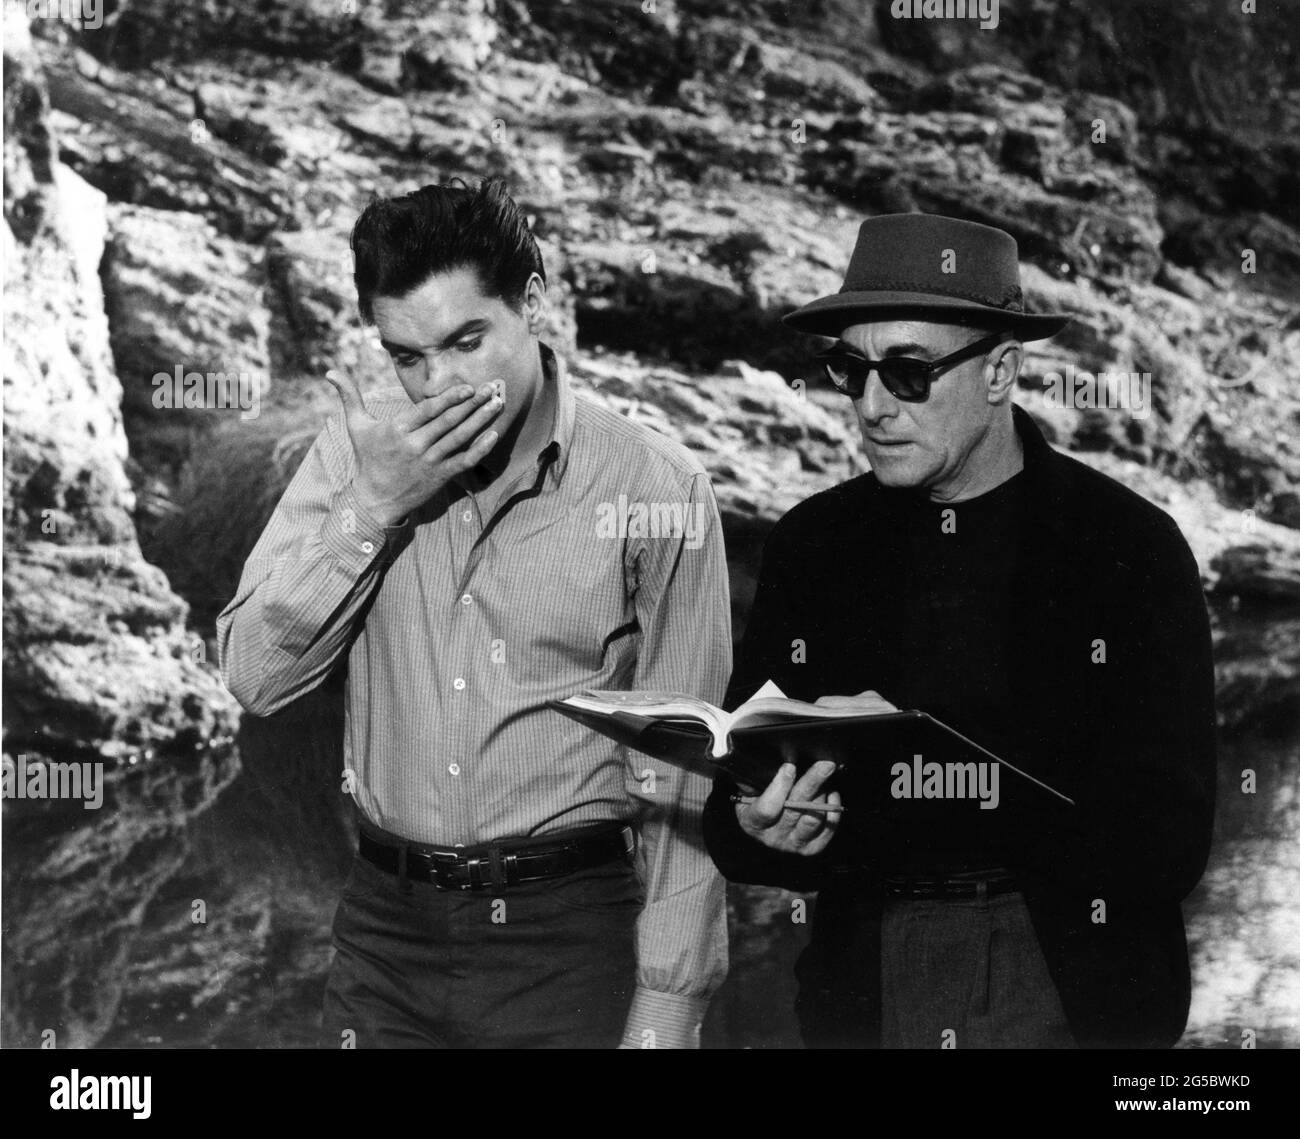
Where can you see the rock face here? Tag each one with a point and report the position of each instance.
(1192, 75)
(182, 198)
(100, 669)
(62, 396)
(181, 296)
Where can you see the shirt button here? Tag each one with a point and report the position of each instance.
(467, 517)
(454, 768)
(367, 547)
(459, 683)
(466, 599)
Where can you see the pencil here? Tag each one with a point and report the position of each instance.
(796, 805)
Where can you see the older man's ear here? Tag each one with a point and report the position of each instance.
(1003, 369)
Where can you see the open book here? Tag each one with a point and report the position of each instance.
(879, 750)
(769, 705)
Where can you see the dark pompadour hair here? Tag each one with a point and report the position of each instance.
(399, 243)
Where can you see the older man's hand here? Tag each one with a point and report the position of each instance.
(789, 829)
(866, 702)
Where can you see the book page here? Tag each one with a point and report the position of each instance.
(643, 703)
(768, 691)
(658, 706)
(770, 705)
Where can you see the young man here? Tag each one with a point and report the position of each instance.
(449, 544)
(1036, 606)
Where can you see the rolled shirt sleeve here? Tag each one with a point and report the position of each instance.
(683, 607)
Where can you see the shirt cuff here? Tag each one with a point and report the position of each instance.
(352, 535)
(663, 1020)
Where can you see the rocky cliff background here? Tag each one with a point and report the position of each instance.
(179, 185)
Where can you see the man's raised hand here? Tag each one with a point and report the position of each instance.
(403, 463)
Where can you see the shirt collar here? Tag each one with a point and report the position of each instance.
(555, 455)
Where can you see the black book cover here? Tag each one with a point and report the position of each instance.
(883, 760)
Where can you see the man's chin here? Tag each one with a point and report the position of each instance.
(892, 472)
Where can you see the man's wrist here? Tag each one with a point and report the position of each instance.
(382, 512)
(351, 533)
(663, 1020)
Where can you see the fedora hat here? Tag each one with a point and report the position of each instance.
(911, 265)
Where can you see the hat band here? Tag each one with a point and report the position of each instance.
(1012, 299)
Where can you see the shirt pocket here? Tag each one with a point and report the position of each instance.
(568, 594)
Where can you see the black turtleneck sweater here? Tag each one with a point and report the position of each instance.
(952, 655)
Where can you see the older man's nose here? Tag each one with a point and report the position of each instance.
(877, 401)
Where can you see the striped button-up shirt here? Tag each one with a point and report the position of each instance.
(603, 568)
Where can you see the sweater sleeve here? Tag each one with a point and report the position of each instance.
(767, 652)
(1144, 813)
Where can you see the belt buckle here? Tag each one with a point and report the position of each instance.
(433, 870)
(923, 889)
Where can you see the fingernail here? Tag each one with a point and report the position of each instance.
(788, 770)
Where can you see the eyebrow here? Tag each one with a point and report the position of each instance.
(907, 348)
(475, 324)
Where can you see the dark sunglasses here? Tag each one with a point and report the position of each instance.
(904, 377)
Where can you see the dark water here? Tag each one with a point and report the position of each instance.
(1243, 920)
(269, 858)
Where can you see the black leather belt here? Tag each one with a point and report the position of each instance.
(920, 888)
(498, 864)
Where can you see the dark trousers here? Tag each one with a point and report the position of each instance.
(547, 964)
(966, 974)
(889, 973)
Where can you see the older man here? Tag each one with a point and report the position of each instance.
(1031, 603)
